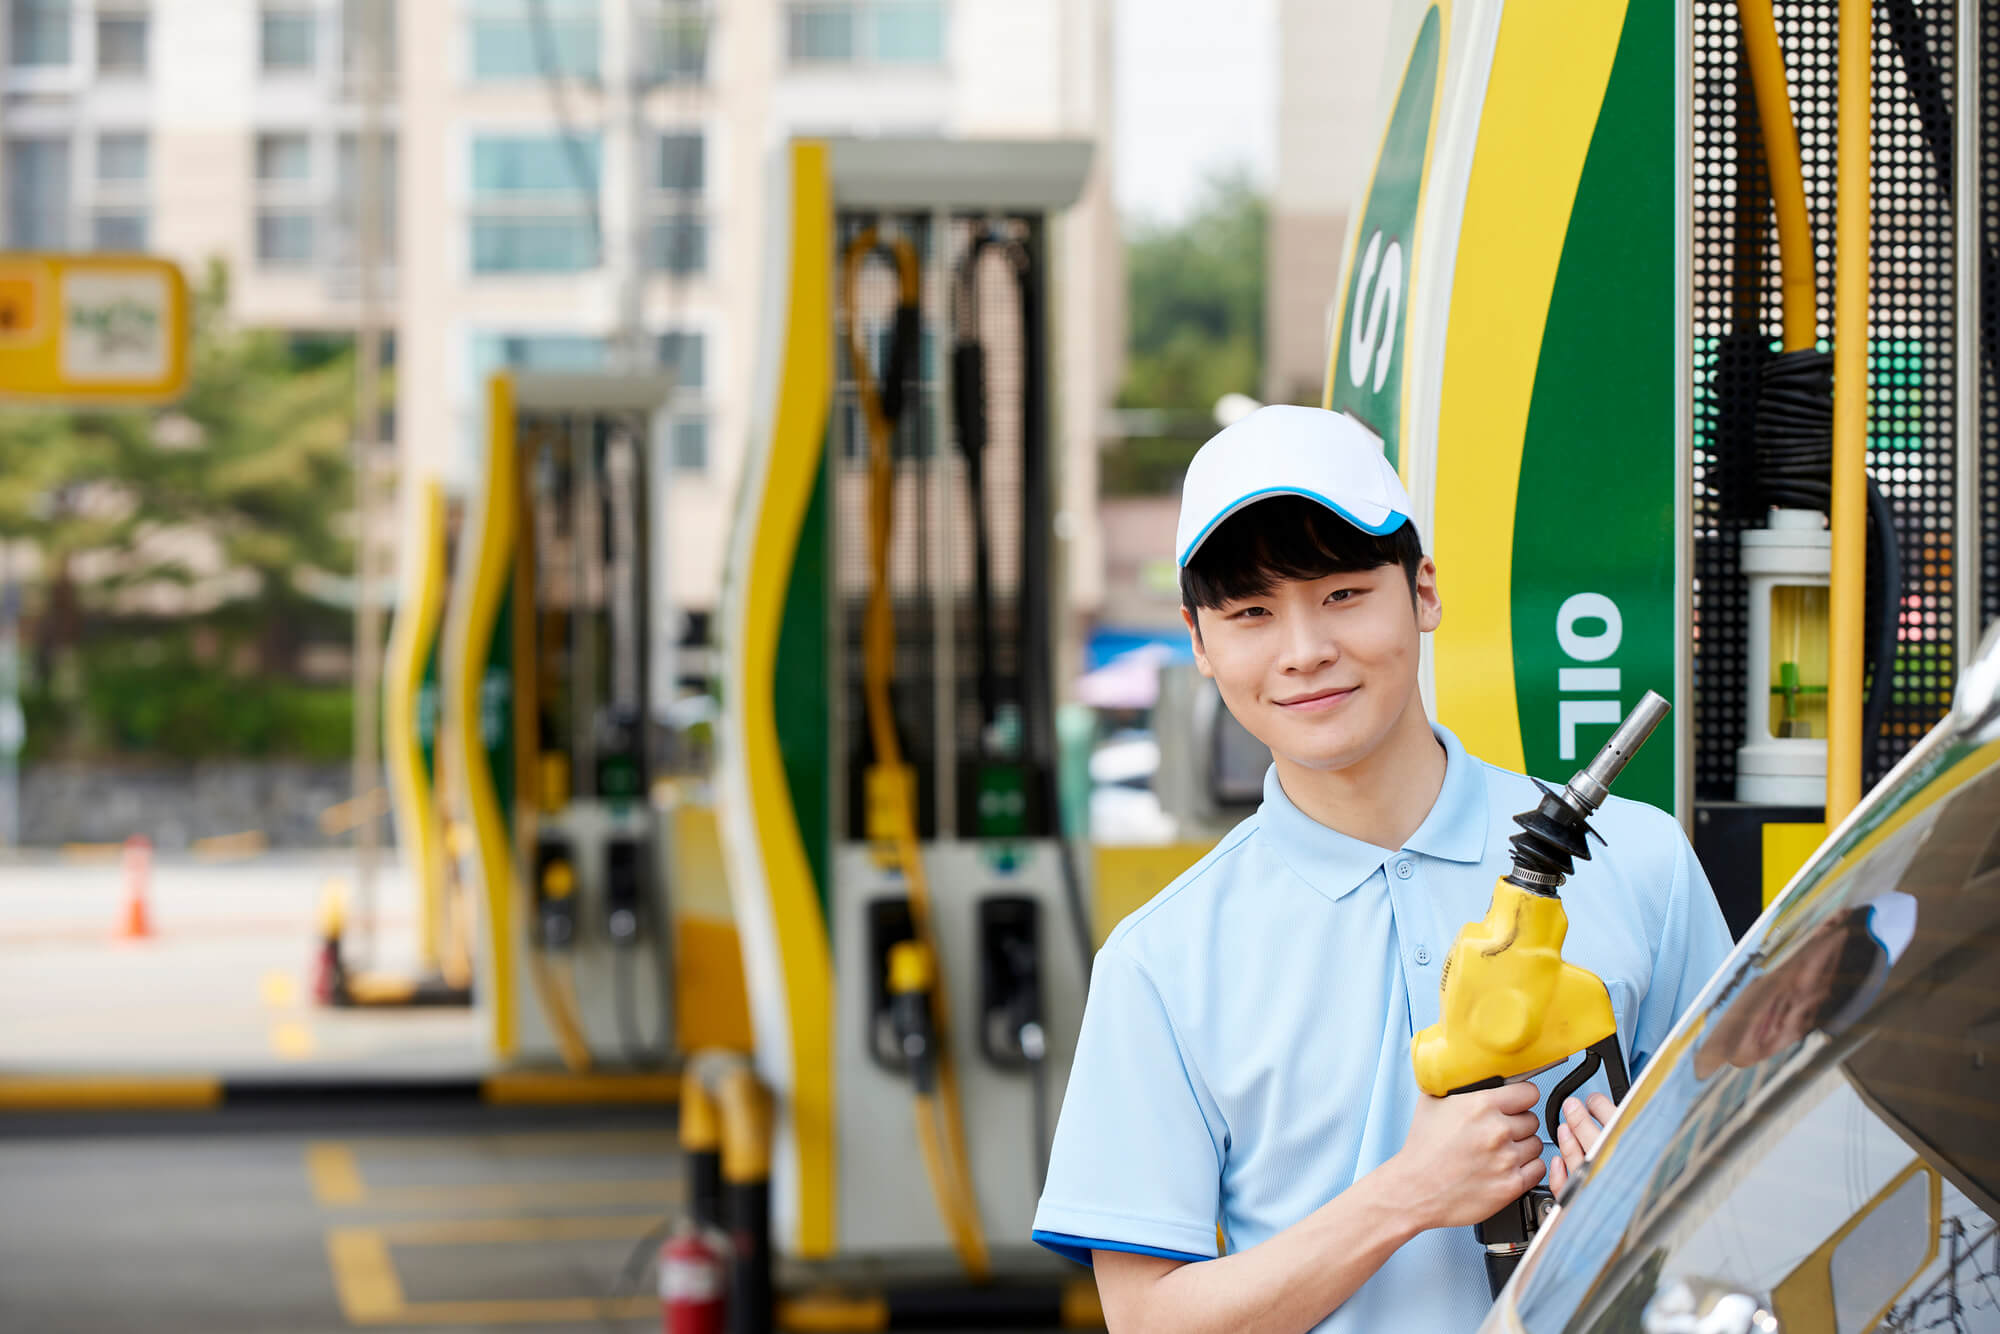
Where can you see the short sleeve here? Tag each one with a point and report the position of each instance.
(1137, 1160)
(1693, 943)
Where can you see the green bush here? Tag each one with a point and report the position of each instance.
(156, 698)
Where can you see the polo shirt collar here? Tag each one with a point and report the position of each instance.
(1335, 864)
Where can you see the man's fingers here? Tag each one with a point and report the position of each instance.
(1558, 1175)
(1572, 1149)
(1583, 1123)
(1512, 1098)
(1601, 1107)
(1523, 1125)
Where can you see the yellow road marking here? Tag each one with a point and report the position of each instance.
(279, 990)
(529, 1141)
(364, 1277)
(370, 1293)
(64, 1093)
(230, 847)
(501, 1231)
(547, 1311)
(337, 1182)
(335, 1177)
(526, 1194)
(292, 1040)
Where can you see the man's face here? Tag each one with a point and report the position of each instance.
(1778, 1008)
(1320, 670)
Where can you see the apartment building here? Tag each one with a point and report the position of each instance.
(1330, 80)
(535, 153)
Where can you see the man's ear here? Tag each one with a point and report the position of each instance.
(1194, 642)
(1430, 608)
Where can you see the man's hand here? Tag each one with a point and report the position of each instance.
(1577, 1135)
(1469, 1154)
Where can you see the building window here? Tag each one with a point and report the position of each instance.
(121, 229)
(286, 41)
(529, 39)
(680, 244)
(38, 32)
(537, 352)
(678, 43)
(38, 183)
(681, 163)
(689, 436)
(684, 353)
(534, 203)
(121, 43)
(122, 158)
(865, 32)
(284, 157)
(284, 237)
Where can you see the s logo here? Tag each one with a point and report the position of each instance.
(1372, 324)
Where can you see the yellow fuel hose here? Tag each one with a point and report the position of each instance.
(1850, 417)
(940, 1126)
(1797, 284)
(555, 989)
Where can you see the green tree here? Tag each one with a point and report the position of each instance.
(252, 461)
(1195, 305)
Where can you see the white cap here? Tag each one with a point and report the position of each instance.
(1293, 451)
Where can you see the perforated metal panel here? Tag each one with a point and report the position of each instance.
(1989, 314)
(1911, 447)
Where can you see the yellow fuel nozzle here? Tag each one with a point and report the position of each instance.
(1508, 1005)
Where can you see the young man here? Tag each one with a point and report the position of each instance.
(1244, 1064)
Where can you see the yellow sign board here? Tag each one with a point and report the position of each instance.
(92, 328)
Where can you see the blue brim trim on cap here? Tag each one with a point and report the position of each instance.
(1079, 1248)
(1390, 525)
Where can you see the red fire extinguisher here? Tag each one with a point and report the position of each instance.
(694, 1282)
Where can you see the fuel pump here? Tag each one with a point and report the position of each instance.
(914, 939)
(1509, 1007)
(548, 657)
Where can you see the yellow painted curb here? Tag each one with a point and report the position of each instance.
(535, 1088)
(86, 1093)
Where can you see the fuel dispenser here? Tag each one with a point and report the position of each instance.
(546, 702)
(915, 941)
(1676, 320)
(1685, 407)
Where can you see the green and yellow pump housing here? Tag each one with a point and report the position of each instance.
(847, 1183)
(1510, 321)
(469, 758)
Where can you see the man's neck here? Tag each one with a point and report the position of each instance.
(1382, 799)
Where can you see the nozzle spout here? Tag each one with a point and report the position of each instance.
(1593, 783)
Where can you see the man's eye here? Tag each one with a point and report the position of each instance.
(1248, 613)
(1340, 595)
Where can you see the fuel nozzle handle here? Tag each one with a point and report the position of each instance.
(1552, 837)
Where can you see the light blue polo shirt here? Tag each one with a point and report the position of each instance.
(1245, 1053)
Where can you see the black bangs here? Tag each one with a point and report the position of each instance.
(1285, 538)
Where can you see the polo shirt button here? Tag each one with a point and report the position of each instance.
(1423, 955)
(1404, 870)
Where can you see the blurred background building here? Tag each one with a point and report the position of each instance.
(538, 157)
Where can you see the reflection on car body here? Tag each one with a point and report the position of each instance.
(1817, 1147)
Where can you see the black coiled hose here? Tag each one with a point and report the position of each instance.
(1794, 448)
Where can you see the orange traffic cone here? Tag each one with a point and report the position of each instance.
(138, 924)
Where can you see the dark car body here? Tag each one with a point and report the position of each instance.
(1817, 1148)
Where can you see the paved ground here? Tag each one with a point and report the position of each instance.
(222, 984)
(467, 1220)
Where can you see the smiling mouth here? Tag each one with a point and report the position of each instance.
(1317, 697)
